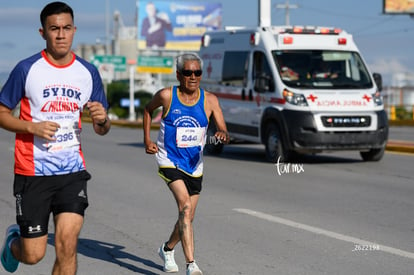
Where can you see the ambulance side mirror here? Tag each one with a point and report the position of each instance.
(378, 80)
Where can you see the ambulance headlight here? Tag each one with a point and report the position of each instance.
(294, 99)
(377, 98)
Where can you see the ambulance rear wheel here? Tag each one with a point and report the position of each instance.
(274, 145)
(373, 154)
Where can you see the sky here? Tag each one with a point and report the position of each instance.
(385, 41)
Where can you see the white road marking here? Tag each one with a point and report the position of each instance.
(324, 232)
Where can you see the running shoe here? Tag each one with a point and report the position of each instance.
(193, 269)
(168, 257)
(9, 263)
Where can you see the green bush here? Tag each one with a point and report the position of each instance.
(119, 90)
(402, 113)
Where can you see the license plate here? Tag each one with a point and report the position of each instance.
(346, 121)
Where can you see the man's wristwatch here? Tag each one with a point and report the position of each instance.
(103, 123)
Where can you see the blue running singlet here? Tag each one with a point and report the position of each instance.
(182, 135)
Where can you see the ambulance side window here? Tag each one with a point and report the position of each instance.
(235, 66)
(262, 74)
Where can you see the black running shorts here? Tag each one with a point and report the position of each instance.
(193, 184)
(38, 196)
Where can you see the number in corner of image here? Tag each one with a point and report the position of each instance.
(366, 247)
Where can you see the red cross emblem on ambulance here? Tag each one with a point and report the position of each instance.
(367, 97)
(312, 98)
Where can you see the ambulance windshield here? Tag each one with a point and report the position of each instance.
(322, 69)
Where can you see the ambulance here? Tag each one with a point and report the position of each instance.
(296, 90)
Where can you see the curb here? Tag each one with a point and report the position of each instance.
(400, 146)
(408, 150)
(392, 145)
(401, 123)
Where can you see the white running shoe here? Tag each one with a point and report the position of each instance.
(168, 257)
(193, 269)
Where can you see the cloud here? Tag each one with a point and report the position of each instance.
(6, 65)
(388, 66)
(23, 24)
(5, 45)
(29, 18)
(91, 20)
(19, 17)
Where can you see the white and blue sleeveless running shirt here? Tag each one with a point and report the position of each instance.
(182, 135)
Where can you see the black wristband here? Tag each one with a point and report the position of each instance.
(103, 123)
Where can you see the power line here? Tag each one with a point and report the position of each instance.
(362, 30)
(393, 31)
(333, 13)
(373, 25)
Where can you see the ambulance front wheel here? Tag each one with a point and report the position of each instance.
(373, 154)
(274, 146)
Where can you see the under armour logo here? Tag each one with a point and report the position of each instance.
(35, 229)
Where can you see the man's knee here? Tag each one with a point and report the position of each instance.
(32, 258)
(68, 227)
(186, 209)
(65, 245)
(31, 251)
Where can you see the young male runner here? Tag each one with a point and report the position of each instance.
(53, 87)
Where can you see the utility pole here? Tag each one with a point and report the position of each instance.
(265, 18)
(107, 37)
(287, 7)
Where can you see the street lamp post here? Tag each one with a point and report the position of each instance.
(131, 89)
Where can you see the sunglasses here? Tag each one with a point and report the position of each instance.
(190, 72)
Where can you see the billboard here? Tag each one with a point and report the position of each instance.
(174, 25)
(398, 6)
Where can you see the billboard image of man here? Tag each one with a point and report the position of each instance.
(171, 25)
(154, 27)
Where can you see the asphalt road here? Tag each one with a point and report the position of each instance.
(329, 214)
(402, 133)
